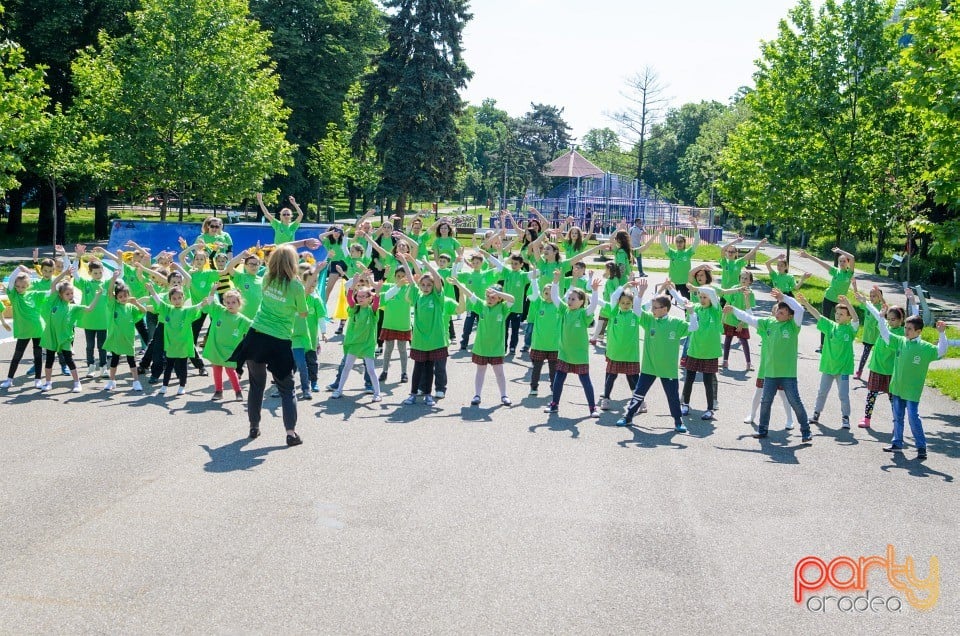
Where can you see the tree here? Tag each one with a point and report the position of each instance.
(321, 48)
(699, 167)
(541, 136)
(824, 88)
(413, 92)
(187, 101)
(602, 147)
(645, 95)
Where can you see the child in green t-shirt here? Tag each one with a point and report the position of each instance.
(871, 332)
(488, 349)
(177, 319)
(623, 311)
(680, 257)
(94, 323)
(515, 283)
(836, 360)
(841, 277)
(736, 328)
(60, 317)
(703, 350)
(573, 354)
(477, 281)
(124, 313)
(28, 325)
(360, 339)
(781, 278)
(228, 326)
(661, 353)
(396, 328)
(432, 309)
(612, 277)
(544, 318)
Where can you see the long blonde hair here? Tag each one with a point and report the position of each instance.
(282, 267)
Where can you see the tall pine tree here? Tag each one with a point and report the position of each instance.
(413, 91)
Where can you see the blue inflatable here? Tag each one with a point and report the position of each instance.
(164, 236)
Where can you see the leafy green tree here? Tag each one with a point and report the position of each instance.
(413, 91)
(823, 91)
(602, 147)
(699, 168)
(187, 102)
(321, 48)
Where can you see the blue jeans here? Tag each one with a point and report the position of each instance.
(468, 324)
(789, 386)
(527, 334)
(916, 426)
(307, 367)
(640, 264)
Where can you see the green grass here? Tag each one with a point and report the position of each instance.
(947, 381)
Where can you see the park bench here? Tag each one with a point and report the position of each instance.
(893, 266)
(744, 247)
(929, 311)
(602, 239)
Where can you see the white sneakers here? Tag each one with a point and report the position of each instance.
(38, 384)
(110, 386)
(93, 371)
(76, 388)
(181, 390)
(6, 384)
(137, 386)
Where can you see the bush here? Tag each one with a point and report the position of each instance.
(932, 270)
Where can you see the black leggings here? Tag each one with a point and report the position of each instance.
(611, 378)
(197, 327)
(867, 347)
(67, 359)
(709, 386)
(512, 333)
(115, 361)
(18, 352)
(536, 370)
(175, 364)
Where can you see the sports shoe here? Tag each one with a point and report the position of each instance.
(643, 407)
(533, 393)
(64, 370)
(331, 387)
(254, 432)
(294, 440)
(684, 409)
(336, 395)
(707, 415)
(759, 435)
(604, 404)
(383, 376)
(439, 394)
(153, 379)
(239, 395)
(893, 448)
(807, 439)
(595, 414)
(217, 395)
(412, 399)
(38, 384)
(864, 423)
(101, 370)
(921, 454)
(377, 397)
(368, 390)
(845, 422)
(92, 371)
(378, 352)
(77, 387)
(46, 386)
(30, 370)
(429, 401)
(815, 419)
(6, 384)
(513, 351)
(789, 426)
(162, 392)
(505, 401)
(553, 407)
(305, 396)
(680, 429)
(275, 393)
(403, 377)
(475, 401)
(856, 376)
(314, 387)
(181, 390)
(749, 420)
(137, 386)
(624, 422)
(110, 386)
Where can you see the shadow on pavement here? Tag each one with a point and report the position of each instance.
(231, 457)
(913, 467)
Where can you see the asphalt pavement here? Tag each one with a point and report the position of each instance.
(127, 513)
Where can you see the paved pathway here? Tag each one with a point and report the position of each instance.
(127, 513)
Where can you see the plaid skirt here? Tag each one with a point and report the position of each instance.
(730, 330)
(696, 365)
(485, 360)
(537, 355)
(878, 382)
(616, 367)
(577, 369)
(760, 384)
(428, 356)
(391, 334)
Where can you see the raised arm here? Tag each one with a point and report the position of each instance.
(266, 213)
(576, 258)
(743, 316)
(854, 317)
(749, 255)
(807, 306)
(296, 207)
(824, 264)
(555, 289)
(797, 308)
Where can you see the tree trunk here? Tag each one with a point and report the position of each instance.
(45, 220)
(352, 198)
(101, 220)
(15, 220)
(881, 241)
(163, 205)
(401, 204)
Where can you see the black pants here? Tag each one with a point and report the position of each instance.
(611, 378)
(115, 361)
(670, 386)
(536, 370)
(512, 334)
(96, 337)
(66, 358)
(709, 386)
(153, 357)
(440, 375)
(421, 380)
(197, 327)
(18, 352)
(175, 364)
(258, 384)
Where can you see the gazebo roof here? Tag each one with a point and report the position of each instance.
(572, 164)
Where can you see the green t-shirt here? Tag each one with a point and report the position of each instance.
(283, 232)
(431, 313)
(737, 301)
(730, 271)
(121, 328)
(871, 330)
(27, 313)
(396, 311)
(609, 287)
(177, 329)
(138, 289)
(546, 325)
(423, 240)
(836, 357)
(99, 318)
(250, 287)
(680, 263)
(623, 335)
(547, 269)
(779, 347)
(705, 341)
(210, 241)
(278, 309)
(491, 328)
(883, 356)
(335, 251)
(913, 358)
(224, 335)
(839, 283)
(61, 322)
(623, 258)
(783, 282)
(515, 283)
(574, 344)
(306, 329)
(201, 283)
(478, 281)
(41, 284)
(661, 344)
(446, 245)
(360, 338)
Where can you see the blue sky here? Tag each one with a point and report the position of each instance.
(578, 54)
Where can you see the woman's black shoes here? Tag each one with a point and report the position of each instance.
(254, 432)
(294, 440)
